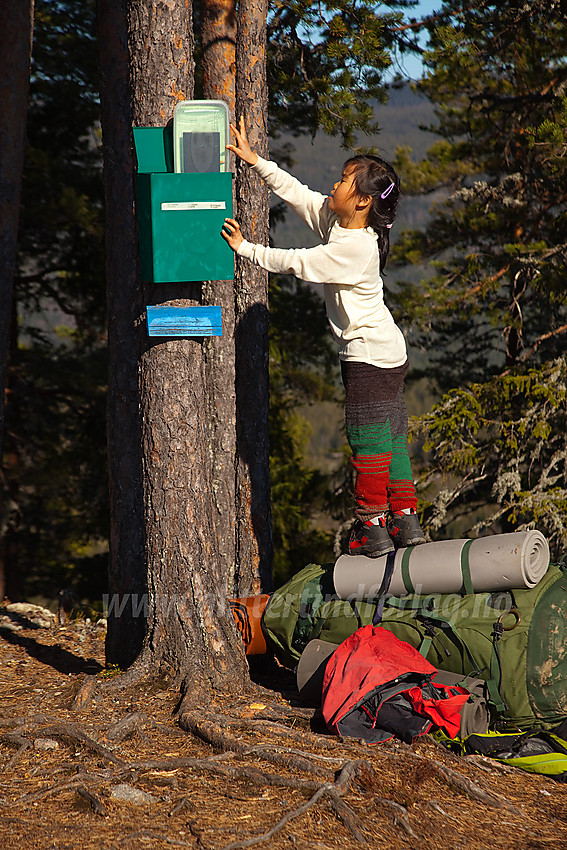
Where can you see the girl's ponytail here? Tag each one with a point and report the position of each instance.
(377, 179)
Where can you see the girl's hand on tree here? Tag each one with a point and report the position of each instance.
(232, 233)
(242, 149)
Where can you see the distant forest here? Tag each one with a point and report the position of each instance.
(403, 122)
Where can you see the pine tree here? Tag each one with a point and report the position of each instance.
(491, 319)
(325, 65)
(53, 465)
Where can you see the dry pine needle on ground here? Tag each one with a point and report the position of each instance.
(84, 767)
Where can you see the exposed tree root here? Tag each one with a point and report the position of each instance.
(243, 724)
(455, 780)
(146, 668)
(348, 817)
(434, 805)
(94, 802)
(232, 747)
(35, 797)
(220, 739)
(321, 777)
(132, 723)
(466, 786)
(235, 772)
(212, 734)
(266, 836)
(332, 790)
(85, 693)
(401, 817)
(41, 726)
(22, 743)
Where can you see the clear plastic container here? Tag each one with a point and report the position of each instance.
(200, 136)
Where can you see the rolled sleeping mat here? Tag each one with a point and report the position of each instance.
(310, 673)
(498, 562)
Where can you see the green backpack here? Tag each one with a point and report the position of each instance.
(515, 640)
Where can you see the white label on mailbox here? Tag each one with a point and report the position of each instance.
(194, 205)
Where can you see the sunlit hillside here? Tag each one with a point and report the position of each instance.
(318, 162)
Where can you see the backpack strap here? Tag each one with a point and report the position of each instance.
(312, 598)
(467, 586)
(495, 679)
(384, 587)
(430, 620)
(498, 630)
(405, 569)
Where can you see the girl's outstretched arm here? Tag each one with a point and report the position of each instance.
(309, 205)
(242, 149)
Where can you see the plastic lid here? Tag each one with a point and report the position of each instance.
(200, 136)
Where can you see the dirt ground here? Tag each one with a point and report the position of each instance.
(81, 767)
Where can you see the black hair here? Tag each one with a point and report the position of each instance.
(376, 178)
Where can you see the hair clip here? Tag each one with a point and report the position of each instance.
(388, 226)
(387, 191)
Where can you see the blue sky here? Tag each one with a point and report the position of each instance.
(427, 6)
(411, 64)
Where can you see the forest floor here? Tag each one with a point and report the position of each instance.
(84, 767)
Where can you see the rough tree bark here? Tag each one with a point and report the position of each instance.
(15, 49)
(237, 377)
(218, 48)
(254, 534)
(189, 627)
(218, 45)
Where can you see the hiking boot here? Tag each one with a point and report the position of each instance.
(405, 530)
(369, 539)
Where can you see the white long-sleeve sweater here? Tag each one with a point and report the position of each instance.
(347, 263)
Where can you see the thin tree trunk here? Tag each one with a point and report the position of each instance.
(218, 46)
(126, 579)
(10, 515)
(254, 534)
(15, 52)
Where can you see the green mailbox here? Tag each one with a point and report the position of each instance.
(180, 215)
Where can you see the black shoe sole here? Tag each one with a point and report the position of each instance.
(376, 554)
(413, 541)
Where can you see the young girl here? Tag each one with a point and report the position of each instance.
(353, 224)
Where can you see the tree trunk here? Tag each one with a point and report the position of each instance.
(190, 629)
(127, 579)
(238, 394)
(218, 41)
(15, 49)
(254, 534)
(10, 512)
(218, 48)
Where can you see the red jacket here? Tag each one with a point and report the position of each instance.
(377, 686)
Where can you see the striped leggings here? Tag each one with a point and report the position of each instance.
(377, 431)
